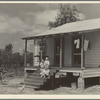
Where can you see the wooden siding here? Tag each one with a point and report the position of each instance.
(92, 55)
(36, 52)
(50, 49)
(67, 51)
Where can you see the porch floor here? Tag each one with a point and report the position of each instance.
(73, 72)
(68, 69)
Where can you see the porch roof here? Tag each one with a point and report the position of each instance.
(79, 26)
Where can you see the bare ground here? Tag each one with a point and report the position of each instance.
(12, 85)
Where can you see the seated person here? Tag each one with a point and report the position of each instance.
(47, 64)
(42, 68)
(45, 68)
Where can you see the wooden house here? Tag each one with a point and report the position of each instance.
(73, 48)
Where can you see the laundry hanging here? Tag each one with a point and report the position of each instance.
(86, 44)
(77, 42)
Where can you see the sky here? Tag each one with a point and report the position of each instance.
(21, 20)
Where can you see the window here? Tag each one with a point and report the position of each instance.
(77, 50)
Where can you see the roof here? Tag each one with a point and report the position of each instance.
(79, 26)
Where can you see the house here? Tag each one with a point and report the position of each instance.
(73, 48)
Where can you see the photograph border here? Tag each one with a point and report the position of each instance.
(50, 97)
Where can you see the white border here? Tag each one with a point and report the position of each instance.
(50, 2)
(71, 96)
(44, 96)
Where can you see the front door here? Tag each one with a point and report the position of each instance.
(57, 52)
(77, 50)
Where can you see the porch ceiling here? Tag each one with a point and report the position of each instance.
(79, 26)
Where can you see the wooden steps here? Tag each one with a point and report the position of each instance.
(35, 77)
(32, 87)
(35, 80)
(33, 84)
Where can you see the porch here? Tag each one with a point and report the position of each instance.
(80, 67)
(76, 76)
(68, 45)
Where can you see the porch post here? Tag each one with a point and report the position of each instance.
(82, 52)
(41, 48)
(61, 46)
(25, 56)
(81, 82)
(34, 52)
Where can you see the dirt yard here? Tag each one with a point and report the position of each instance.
(12, 85)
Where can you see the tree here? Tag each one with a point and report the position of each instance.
(66, 14)
(7, 54)
(9, 48)
(17, 59)
(10, 60)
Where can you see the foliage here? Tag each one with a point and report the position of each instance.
(66, 14)
(17, 59)
(9, 48)
(10, 59)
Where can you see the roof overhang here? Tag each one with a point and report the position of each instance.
(79, 26)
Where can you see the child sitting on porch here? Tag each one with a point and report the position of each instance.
(42, 68)
(45, 68)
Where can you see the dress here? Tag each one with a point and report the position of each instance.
(42, 70)
(47, 64)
